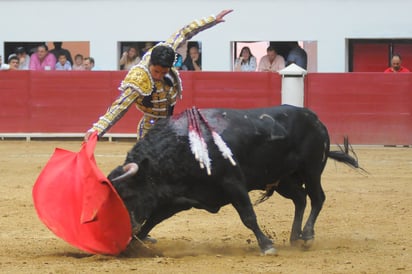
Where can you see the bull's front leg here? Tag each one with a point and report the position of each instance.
(161, 214)
(240, 200)
(248, 217)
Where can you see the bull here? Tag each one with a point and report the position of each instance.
(282, 149)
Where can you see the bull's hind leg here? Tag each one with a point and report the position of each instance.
(293, 190)
(317, 198)
(239, 198)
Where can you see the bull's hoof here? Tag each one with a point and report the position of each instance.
(308, 243)
(303, 244)
(308, 235)
(270, 251)
(149, 240)
(297, 243)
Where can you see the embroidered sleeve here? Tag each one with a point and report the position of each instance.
(115, 112)
(190, 30)
(184, 34)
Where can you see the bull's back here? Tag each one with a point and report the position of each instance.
(265, 125)
(269, 142)
(261, 139)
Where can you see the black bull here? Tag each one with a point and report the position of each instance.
(282, 149)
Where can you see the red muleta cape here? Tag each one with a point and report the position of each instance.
(77, 202)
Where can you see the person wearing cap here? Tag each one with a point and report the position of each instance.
(24, 58)
(13, 63)
(154, 84)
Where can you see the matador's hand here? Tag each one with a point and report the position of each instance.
(87, 136)
(219, 17)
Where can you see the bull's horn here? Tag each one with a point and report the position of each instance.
(129, 170)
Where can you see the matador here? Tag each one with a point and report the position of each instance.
(153, 85)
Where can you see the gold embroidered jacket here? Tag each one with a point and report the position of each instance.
(156, 99)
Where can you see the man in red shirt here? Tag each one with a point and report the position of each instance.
(396, 65)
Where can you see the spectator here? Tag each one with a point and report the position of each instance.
(182, 50)
(24, 58)
(63, 63)
(59, 50)
(396, 65)
(88, 63)
(193, 60)
(78, 62)
(297, 55)
(154, 85)
(246, 60)
(13, 63)
(145, 49)
(129, 58)
(271, 61)
(42, 59)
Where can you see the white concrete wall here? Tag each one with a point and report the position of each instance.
(106, 22)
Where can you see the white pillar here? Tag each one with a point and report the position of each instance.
(293, 85)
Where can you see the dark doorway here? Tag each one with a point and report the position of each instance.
(10, 47)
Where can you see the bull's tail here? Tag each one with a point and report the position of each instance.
(344, 155)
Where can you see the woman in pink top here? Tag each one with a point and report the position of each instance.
(42, 59)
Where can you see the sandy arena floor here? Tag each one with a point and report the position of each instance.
(363, 227)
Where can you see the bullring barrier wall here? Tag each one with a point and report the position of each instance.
(371, 108)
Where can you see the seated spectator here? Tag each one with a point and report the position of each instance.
(42, 59)
(246, 60)
(396, 65)
(13, 63)
(59, 50)
(78, 62)
(129, 59)
(182, 50)
(24, 58)
(88, 63)
(147, 46)
(63, 63)
(271, 61)
(297, 55)
(193, 60)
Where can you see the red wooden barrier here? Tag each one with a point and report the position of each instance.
(60, 101)
(229, 90)
(371, 108)
(15, 101)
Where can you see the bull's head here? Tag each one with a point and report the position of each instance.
(124, 179)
